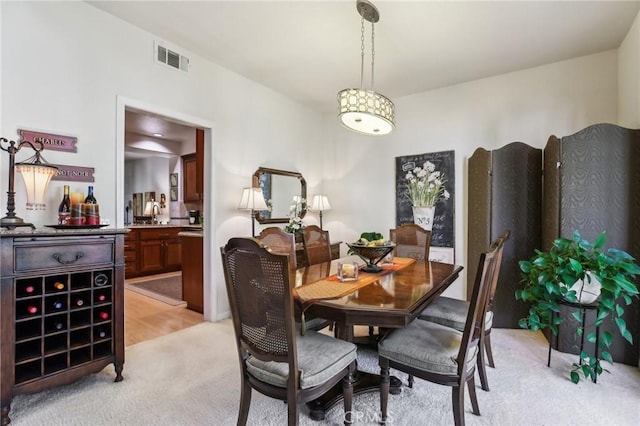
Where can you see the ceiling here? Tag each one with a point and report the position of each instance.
(309, 50)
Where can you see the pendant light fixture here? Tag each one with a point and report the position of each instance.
(361, 110)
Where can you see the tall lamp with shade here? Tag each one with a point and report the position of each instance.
(252, 200)
(319, 204)
(36, 174)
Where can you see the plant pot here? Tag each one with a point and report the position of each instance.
(423, 216)
(587, 290)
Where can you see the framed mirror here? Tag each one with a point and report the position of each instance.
(279, 187)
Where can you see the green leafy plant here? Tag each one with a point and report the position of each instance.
(548, 276)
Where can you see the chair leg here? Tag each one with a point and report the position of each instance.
(487, 346)
(411, 380)
(482, 369)
(292, 413)
(471, 384)
(347, 394)
(245, 402)
(384, 389)
(457, 399)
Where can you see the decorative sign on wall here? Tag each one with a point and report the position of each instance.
(50, 141)
(74, 173)
(442, 233)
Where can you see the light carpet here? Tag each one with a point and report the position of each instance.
(191, 377)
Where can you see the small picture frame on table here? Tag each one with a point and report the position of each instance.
(173, 180)
(173, 194)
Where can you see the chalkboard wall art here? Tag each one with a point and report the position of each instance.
(442, 234)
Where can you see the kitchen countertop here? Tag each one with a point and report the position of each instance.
(194, 233)
(194, 227)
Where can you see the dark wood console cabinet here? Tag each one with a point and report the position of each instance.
(62, 308)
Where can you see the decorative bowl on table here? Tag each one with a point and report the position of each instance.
(372, 254)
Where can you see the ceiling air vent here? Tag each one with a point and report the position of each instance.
(171, 58)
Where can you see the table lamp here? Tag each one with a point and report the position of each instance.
(320, 203)
(252, 199)
(36, 174)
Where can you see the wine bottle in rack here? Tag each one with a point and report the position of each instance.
(104, 315)
(101, 333)
(29, 289)
(57, 305)
(102, 297)
(101, 280)
(58, 285)
(31, 309)
(79, 302)
(58, 325)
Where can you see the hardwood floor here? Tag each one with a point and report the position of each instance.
(147, 318)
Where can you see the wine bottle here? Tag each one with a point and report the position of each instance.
(102, 297)
(58, 285)
(79, 302)
(90, 199)
(57, 304)
(58, 325)
(64, 209)
(29, 289)
(32, 309)
(104, 315)
(102, 334)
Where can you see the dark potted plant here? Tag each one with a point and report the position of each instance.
(569, 260)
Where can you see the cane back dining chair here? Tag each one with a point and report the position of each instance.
(274, 358)
(279, 241)
(317, 246)
(411, 241)
(437, 353)
(452, 313)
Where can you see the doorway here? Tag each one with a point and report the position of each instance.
(145, 317)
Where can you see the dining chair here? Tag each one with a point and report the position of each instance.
(438, 353)
(452, 312)
(274, 358)
(317, 246)
(411, 241)
(279, 241)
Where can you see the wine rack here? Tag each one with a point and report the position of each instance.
(62, 317)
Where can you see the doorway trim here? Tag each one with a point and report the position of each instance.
(209, 292)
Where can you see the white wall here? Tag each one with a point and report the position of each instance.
(629, 78)
(526, 106)
(66, 64)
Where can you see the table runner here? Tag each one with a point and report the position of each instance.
(332, 288)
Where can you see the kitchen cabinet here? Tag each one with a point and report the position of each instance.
(193, 171)
(192, 266)
(157, 250)
(62, 308)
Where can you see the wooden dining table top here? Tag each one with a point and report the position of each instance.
(391, 299)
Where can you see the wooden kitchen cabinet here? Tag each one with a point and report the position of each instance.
(193, 171)
(158, 251)
(131, 253)
(192, 276)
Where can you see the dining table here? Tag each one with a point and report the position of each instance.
(388, 299)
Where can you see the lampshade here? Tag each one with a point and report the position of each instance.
(252, 199)
(320, 203)
(361, 110)
(150, 207)
(36, 179)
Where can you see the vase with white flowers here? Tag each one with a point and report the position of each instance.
(295, 225)
(425, 186)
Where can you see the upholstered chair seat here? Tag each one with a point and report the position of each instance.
(320, 357)
(426, 346)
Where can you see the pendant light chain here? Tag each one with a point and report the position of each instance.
(362, 53)
(373, 53)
